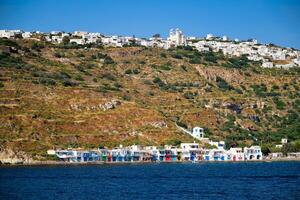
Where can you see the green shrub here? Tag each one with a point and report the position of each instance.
(163, 55)
(177, 56)
(260, 90)
(165, 67)
(126, 97)
(47, 81)
(147, 82)
(79, 78)
(223, 85)
(182, 124)
(189, 95)
(184, 68)
(159, 82)
(128, 71)
(117, 85)
(210, 57)
(279, 104)
(108, 60)
(109, 76)
(59, 54)
(195, 60)
(150, 93)
(68, 83)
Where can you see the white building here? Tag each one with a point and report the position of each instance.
(225, 38)
(56, 38)
(253, 153)
(210, 36)
(284, 141)
(189, 151)
(9, 33)
(26, 35)
(198, 133)
(80, 33)
(236, 154)
(77, 40)
(219, 145)
(267, 65)
(176, 37)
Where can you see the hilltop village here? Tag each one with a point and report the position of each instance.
(269, 54)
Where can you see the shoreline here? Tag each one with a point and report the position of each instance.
(61, 163)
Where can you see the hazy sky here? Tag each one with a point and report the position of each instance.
(276, 21)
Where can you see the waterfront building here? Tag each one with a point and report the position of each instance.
(103, 153)
(236, 154)
(77, 156)
(253, 153)
(190, 151)
(186, 152)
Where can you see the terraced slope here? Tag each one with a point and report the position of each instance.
(74, 96)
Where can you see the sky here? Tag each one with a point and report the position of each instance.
(268, 21)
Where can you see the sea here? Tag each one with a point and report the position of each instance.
(216, 180)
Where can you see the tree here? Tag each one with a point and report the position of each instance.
(156, 35)
(66, 40)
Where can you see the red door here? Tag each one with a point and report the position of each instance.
(168, 157)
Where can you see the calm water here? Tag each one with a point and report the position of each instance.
(277, 180)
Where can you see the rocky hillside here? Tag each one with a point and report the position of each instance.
(86, 96)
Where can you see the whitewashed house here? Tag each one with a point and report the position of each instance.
(77, 40)
(253, 153)
(225, 38)
(56, 39)
(189, 151)
(236, 154)
(9, 33)
(26, 35)
(219, 145)
(267, 64)
(210, 36)
(198, 133)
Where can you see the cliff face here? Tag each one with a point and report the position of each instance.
(9, 156)
(68, 96)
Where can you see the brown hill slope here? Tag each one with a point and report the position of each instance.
(70, 96)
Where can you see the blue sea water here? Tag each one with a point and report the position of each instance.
(247, 180)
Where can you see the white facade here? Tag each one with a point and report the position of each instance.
(198, 132)
(253, 153)
(77, 40)
(9, 33)
(225, 38)
(219, 145)
(236, 154)
(267, 65)
(210, 36)
(26, 34)
(284, 141)
(176, 37)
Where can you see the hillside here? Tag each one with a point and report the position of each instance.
(74, 96)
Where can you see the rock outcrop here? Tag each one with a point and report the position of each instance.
(105, 106)
(9, 156)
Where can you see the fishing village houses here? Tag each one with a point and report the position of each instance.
(185, 152)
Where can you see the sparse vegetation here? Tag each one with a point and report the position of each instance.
(61, 99)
